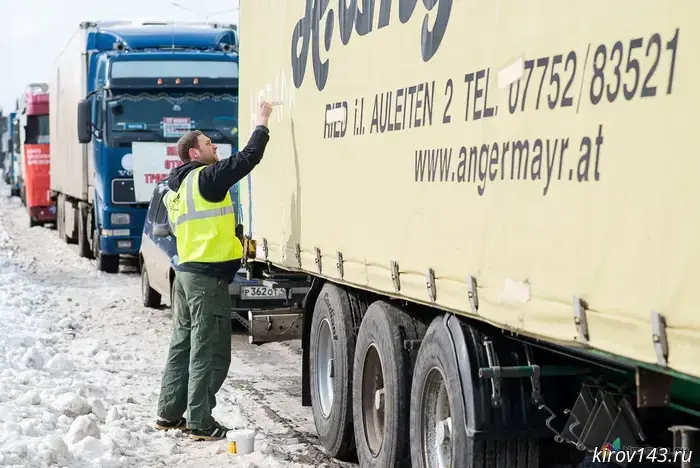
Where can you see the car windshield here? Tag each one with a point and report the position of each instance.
(166, 117)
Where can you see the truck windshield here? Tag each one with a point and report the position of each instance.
(37, 130)
(166, 117)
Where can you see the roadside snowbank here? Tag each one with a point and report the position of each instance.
(80, 364)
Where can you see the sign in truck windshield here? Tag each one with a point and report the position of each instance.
(160, 117)
(176, 126)
(154, 161)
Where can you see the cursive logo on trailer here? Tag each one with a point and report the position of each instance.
(358, 15)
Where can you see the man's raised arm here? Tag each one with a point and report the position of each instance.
(218, 178)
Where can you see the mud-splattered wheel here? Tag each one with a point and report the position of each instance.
(438, 413)
(382, 385)
(149, 296)
(106, 263)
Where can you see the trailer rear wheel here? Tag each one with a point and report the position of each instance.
(382, 385)
(60, 217)
(437, 422)
(73, 239)
(83, 229)
(332, 342)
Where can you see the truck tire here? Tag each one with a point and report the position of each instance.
(74, 238)
(83, 243)
(149, 296)
(106, 263)
(332, 342)
(437, 423)
(60, 219)
(382, 385)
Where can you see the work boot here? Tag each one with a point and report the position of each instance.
(163, 424)
(214, 432)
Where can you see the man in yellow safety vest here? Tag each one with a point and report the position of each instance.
(201, 212)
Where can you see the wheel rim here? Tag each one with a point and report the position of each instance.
(325, 374)
(436, 421)
(373, 400)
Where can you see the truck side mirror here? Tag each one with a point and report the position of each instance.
(84, 121)
(161, 230)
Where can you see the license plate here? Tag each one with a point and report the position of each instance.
(262, 292)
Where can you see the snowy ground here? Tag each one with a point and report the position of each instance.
(81, 361)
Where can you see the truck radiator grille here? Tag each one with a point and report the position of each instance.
(123, 191)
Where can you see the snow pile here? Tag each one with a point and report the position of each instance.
(44, 413)
(58, 365)
(49, 414)
(71, 405)
(81, 362)
(53, 450)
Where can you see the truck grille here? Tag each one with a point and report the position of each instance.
(123, 191)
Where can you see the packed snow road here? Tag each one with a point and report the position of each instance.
(81, 361)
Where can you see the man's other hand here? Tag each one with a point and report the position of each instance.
(264, 111)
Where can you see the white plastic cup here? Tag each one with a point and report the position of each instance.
(241, 442)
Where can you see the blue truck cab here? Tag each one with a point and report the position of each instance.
(138, 88)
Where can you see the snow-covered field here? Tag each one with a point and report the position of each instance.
(81, 361)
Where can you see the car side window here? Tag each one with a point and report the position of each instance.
(162, 213)
(155, 203)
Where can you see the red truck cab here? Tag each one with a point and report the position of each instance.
(35, 155)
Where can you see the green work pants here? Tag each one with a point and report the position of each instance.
(200, 349)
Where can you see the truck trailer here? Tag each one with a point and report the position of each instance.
(495, 202)
(14, 153)
(123, 93)
(35, 146)
(5, 142)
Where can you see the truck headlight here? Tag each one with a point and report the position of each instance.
(120, 218)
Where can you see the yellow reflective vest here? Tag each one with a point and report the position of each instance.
(205, 231)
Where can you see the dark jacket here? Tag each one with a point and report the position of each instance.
(215, 181)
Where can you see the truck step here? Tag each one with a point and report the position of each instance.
(287, 275)
(286, 284)
(238, 317)
(271, 325)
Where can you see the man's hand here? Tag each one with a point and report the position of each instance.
(264, 111)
